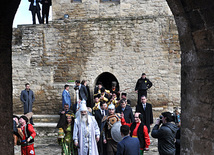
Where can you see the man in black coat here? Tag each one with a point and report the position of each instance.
(142, 85)
(165, 134)
(35, 9)
(45, 9)
(27, 98)
(63, 113)
(146, 110)
(99, 114)
(126, 110)
(83, 93)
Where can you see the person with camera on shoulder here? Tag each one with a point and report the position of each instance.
(165, 134)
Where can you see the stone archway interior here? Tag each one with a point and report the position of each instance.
(107, 78)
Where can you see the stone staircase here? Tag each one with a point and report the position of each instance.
(46, 138)
(45, 127)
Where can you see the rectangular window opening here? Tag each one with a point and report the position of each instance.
(109, 0)
(73, 1)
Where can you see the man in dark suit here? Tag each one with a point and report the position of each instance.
(27, 98)
(146, 110)
(99, 114)
(45, 9)
(83, 94)
(126, 110)
(63, 113)
(35, 9)
(129, 145)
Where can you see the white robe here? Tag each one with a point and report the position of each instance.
(86, 136)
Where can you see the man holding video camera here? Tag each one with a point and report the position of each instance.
(165, 134)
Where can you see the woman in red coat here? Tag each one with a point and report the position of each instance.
(138, 130)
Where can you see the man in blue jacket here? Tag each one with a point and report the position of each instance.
(27, 98)
(129, 145)
(66, 98)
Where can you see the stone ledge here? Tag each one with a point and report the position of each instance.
(53, 125)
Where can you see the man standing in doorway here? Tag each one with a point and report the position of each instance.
(27, 98)
(142, 85)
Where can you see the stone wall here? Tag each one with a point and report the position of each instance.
(97, 9)
(48, 56)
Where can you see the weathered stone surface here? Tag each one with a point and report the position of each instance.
(196, 39)
(8, 10)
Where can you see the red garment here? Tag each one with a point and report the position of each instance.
(28, 150)
(135, 130)
(145, 131)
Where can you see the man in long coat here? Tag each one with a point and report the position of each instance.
(146, 110)
(86, 133)
(27, 97)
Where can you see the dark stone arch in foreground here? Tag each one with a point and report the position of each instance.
(195, 21)
(7, 12)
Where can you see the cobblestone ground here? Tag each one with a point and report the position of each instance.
(55, 149)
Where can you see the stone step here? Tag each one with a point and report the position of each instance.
(46, 133)
(38, 119)
(45, 118)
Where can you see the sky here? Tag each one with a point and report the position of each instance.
(24, 16)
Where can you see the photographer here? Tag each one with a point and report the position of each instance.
(165, 134)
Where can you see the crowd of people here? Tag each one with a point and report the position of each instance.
(105, 125)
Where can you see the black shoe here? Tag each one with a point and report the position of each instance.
(32, 123)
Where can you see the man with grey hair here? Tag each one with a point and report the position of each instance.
(86, 133)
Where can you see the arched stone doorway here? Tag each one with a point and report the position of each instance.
(107, 78)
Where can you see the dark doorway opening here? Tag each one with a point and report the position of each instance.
(107, 78)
